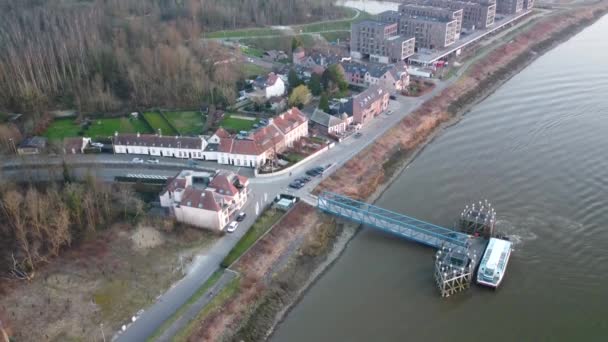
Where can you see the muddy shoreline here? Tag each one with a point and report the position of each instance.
(484, 89)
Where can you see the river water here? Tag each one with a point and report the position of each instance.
(537, 149)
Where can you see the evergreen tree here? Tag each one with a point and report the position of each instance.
(324, 103)
(315, 85)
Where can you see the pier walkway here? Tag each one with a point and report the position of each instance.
(391, 222)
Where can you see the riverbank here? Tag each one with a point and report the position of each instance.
(374, 172)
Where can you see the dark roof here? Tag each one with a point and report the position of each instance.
(158, 141)
(33, 142)
(353, 67)
(377, 70)
(324, 119)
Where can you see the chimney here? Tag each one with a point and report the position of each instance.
(138, 134)
(115, 133)
(160, 132)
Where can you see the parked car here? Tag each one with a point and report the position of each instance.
(96, 144)
(390, 112)
(392, 97)
(305, 179)
(296, 185)
(358, 134)
(137, 161)
(232, 226)
(153, 161)
(241, 216)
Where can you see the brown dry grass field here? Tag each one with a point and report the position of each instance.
(105, 280)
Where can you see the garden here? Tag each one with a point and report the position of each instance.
(186, 122)
(157, 121)
(69, 127)
(236, 123)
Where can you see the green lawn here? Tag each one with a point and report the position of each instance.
(250, 32)
(261, 225)
(334, 36)
(157, 121)
(107, 127)
(64, 128)
(251, 69)
(332, 25)
(187, 123)
(237, 124)
(251, 51)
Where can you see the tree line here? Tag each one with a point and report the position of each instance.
(37, 223)
(105, 55)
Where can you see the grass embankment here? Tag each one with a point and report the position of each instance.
(261, 226)
(250, 32)
(201, 291)
(361, 176)
(187, 122)
(272, 273)
(236, 124)
(335, 36)
(216, 303)
(158, 122)
(65, 128)
(333, 25)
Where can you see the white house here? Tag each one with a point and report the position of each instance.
(292, 124)
(269, 86)
(261, 145)
(205, 200)
(158, 145)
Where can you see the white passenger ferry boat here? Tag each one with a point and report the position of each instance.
(494, 263)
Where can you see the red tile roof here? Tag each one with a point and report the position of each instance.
(267, 137)
(246, 147)
(223, 184)
(271, 79)
(201, 199)
(226, 145)
(222, 133)
(290, 120)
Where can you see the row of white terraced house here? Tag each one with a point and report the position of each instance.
(251, 151)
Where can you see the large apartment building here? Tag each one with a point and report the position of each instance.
(477, 14)
(432, 11)
(528, 4)
(430, 32)
(380, 42)
(509, 6)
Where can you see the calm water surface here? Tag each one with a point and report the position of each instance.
(538, 150)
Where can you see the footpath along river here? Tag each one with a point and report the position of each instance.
(537, 149)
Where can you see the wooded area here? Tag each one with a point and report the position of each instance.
(36, 223)
(103, 55)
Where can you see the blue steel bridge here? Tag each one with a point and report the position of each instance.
(391, 222)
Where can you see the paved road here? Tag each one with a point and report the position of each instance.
(263, 190)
